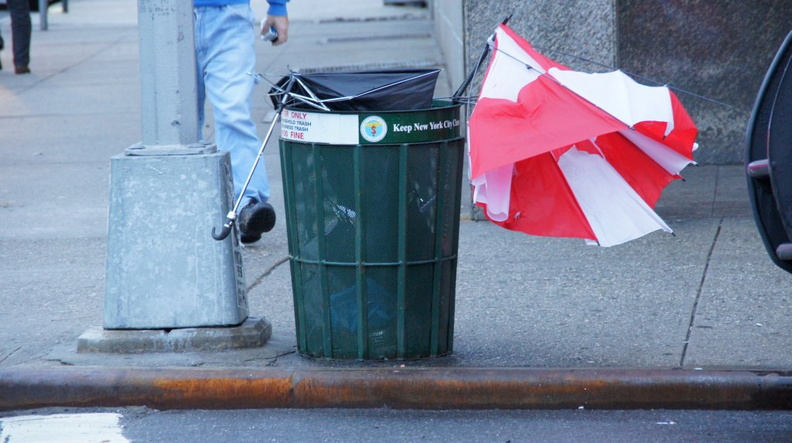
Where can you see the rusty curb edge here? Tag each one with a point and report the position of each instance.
(402, 388)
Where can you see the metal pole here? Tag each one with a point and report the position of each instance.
(43, 5)
(167, 76)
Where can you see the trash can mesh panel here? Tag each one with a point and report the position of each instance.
(451, 171)
(421, 211)
(380, 307)
(418, 310)
(306, 203)
(374, 333)
(445, 308)
(337, 194)
(311, 306)
(380, 204)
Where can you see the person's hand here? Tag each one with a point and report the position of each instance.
(281, 25)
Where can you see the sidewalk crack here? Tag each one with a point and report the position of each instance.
(700, 289)
(10, 354)
(715, 193)
(267, 272)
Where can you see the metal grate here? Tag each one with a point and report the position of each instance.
(387, 18)
(358, 38)
(413, 64)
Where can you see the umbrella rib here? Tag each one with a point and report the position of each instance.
(529, 67)
(315, 101)
(311, 101)
(371, 91)
(556, 81)
(630, 127)
(648, 79)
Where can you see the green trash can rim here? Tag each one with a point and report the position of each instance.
(437, 103)
(345, 128)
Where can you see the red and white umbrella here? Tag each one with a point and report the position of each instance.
(562, 153)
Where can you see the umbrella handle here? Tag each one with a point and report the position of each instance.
(226, 227)
(229, 223)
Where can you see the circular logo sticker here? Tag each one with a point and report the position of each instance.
(373, 128)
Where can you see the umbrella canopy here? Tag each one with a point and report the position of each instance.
(561, 153)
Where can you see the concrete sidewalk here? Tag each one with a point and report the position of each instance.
(705, 303)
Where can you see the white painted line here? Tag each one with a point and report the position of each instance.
(63, 428)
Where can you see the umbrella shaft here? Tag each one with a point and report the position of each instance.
(258, 157)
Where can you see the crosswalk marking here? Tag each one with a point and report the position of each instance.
(62, 428)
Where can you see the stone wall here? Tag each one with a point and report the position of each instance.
(713, 53)
(719, 50)
(449, 25)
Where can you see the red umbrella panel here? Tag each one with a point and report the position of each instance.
(562, 153)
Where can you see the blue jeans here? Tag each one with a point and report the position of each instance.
(224, 44)
(21, 29)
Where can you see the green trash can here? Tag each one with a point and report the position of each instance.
(372, 202)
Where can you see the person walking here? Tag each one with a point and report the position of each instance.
(225, 54)
(21, 29)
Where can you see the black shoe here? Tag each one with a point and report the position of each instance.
(255, 219)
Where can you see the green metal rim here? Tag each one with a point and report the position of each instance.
(350, 128)
(304, 261)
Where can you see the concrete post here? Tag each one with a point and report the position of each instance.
(164, 269)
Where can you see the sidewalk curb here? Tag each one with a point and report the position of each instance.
(397, 388)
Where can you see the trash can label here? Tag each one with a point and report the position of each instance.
(319, 127)
(421, 126)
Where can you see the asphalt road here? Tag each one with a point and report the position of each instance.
(386, 425)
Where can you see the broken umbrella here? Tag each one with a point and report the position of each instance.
(562, 153)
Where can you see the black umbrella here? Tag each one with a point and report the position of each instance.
(392, 90)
